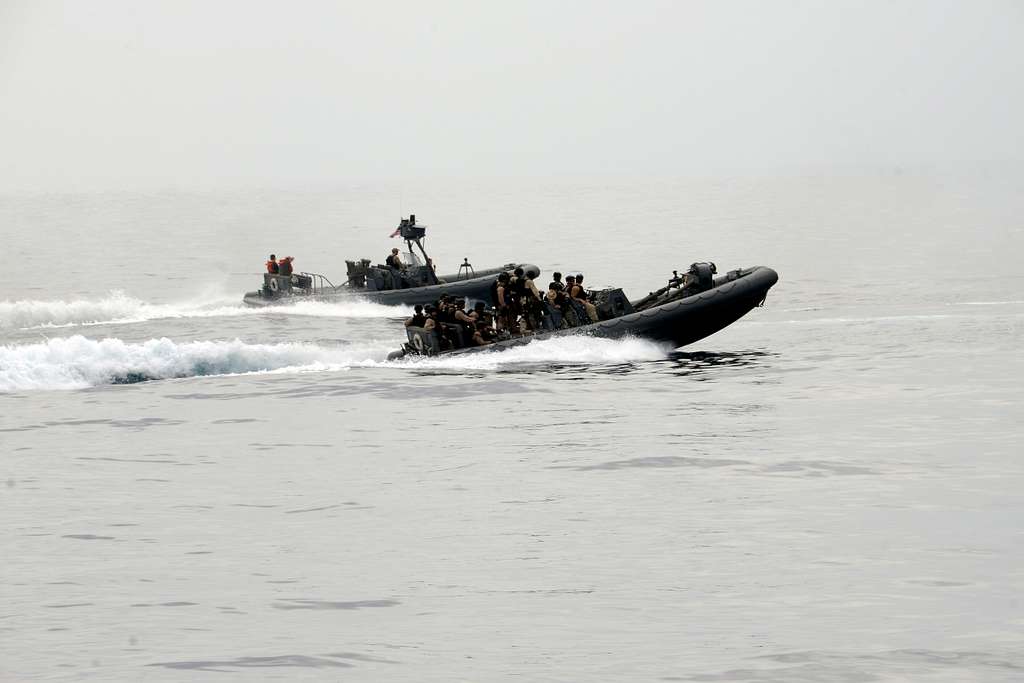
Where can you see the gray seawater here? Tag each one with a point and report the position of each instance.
(829, 490)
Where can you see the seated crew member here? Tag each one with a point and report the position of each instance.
(463, 318)
(445, 313)
(555, 315)
(272, 267)
(556, 282)
(285, 265)
(394, 260)
(579, 294)
(444, 322)
(570, 316)
(552, 294)
(570, 282)
(433, 324)
(417, 319)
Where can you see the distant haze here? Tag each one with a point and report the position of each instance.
(115, 94)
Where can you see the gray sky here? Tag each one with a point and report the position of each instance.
(120, 93)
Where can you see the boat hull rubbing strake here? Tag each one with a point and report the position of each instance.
(413, 280)
(676, 315)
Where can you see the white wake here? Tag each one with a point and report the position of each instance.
(78, 362)
(567, 350)
(119, 308)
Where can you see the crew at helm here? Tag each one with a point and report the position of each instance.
(394, 260)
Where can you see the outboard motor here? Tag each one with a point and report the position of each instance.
(357, 272)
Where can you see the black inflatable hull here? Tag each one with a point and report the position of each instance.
(678, 322)
(478, 287)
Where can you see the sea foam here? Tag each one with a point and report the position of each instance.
(78, 362)
(119, 308)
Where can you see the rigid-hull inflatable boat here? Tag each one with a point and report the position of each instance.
(690, 308)
(416, 282)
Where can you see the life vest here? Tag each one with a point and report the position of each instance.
(467, 325)
(272, 267)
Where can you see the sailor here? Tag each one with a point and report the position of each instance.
(478, 311)
(553, 294)
(272, 267)
(431, 322)
(394, 260)
(445, 310)
(565, 302)
(570, 282)
(417, 319)
(579, 294)
(528, 287)
(502, 293)
(461, 325)
(530, 299)
(556, 282)
(554, 311)
(463, 318)
(285, 265)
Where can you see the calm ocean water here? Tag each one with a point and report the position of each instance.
(829, 490)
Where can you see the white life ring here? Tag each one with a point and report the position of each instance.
(417, 341)
(273, 284)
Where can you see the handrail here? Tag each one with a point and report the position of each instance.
(319, 281)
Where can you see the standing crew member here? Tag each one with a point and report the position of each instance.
(285, 265)
(394, 260)
(272, 265)
(502, 293)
